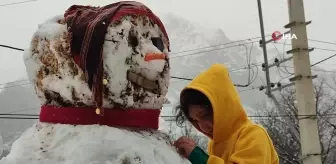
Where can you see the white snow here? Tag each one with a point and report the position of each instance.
(50, 29)
(66, 144)
(118, 51)
(50, 51)
(163, 125)
(53, 72)
(53, 83)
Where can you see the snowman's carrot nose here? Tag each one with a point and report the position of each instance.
(155, 56)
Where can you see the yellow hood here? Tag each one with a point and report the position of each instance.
(229, 114)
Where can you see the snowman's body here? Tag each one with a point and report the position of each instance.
(91, 144)
(60, 82)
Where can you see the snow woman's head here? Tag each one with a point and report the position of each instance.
(135, 54)
(196, 108)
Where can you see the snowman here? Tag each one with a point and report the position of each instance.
(101, 75)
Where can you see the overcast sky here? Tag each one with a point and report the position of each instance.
(237, 18)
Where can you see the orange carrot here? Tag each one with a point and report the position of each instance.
(154, 56)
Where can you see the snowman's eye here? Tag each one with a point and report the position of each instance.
(158, 43)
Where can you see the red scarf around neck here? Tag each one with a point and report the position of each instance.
(133, 118)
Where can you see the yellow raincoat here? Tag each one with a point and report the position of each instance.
(236, 140)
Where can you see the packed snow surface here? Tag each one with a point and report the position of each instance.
(67, 144)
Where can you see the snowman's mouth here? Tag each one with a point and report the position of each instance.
(137, 79)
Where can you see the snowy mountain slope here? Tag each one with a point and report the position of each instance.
(16, 98)
(187, 35)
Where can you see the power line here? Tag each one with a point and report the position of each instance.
(317, 70)
(20, 118)
(320, 41)
(10, 47)
(36, 116)
(317, 48)
(14, 86)
(197, 53)
(20, 110)
(201, 48)
(242, 67)
(237, 41)
(10, 4)
(182, 78)
(190, 50)
(185, 78)
(217, 45)
(323, 60)
(11, 114)
(173, 77)
(277, 116)
(281, 116)
(319, 62)
(13, 82)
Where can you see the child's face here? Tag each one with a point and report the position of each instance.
(201, 118)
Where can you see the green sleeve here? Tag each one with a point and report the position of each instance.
(198, 156)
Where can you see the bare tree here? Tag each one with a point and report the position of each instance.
(279, 121)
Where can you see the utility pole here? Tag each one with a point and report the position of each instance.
(310, 142)
(268, 81)
(265, 65)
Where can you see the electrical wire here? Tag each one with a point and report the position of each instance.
(320, 41)
(283, 57)
(242, 67)
(181, 78)
(248, 66)
(14, 86)
(217, 45)
(202, 52)
(184, 78)
(319, 62)
(329, 115)
(248, 63)
(10, 47)
(256, 73)
(14, 3)
(237, 41)
(35, 116)
(173, 53)
(323, 60)
(317, 48)
(20, 110)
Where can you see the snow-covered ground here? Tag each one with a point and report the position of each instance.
(66, 144)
